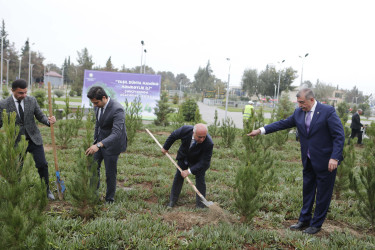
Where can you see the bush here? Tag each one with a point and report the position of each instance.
(64, 133)
(175, 99)
(58, 93)
(228, 132)
(214, 128)
(189, 108)
(6, 92)
(72, 93)
(41, 97)
(133, 118)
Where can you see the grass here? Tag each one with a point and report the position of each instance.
(139, 217)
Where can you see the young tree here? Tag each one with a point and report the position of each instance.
(22, 201)
(162, 110)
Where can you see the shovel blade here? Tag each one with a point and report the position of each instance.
(206, 203)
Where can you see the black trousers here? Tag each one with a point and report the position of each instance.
(178, 181)
(110, 163)
(40, 160)
(357, 133)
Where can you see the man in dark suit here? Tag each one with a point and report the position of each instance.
(193, 156)
(110, 136)
(322, 141)
(26, 108)
(356, 126)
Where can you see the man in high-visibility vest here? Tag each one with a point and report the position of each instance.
(248, 111)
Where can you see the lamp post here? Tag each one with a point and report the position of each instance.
(31, 74)
(303, 57)
(144, 64)
(7, 71)
(278, 85)
(1, 74)
(19, 70)
(274, 96)
(143, 43)
(31, 86)
(226, 101)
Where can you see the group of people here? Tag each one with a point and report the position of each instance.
(320, 130)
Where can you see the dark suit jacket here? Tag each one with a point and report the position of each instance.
(325, 139)
(31, 109)
(199, 156)
(356, 122)
(110, 130)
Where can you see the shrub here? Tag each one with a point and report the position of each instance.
(40, 96)
(58, 93)
(64, 133)
(72, 93)
(228, 132)
(175, 99)
(189, 108)
(6, 92)
(177, 119)
(214, 128)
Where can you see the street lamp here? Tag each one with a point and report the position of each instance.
(31, 86)
(7, 71)
(19, 71)
(226, 101)
(31, 74)
(143, 43)
(1, 75)
(278, 85)
(274, 96)
(144, 64)
(303, 57)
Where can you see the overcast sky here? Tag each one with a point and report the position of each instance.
(181, 36)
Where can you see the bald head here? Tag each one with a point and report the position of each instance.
(200, 132)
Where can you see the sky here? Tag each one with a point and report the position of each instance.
(181, 36)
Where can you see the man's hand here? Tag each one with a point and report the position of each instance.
(164, 151)
(92, 150)
(51, 120)
(254, 133)
(332, 164)
(185, 173)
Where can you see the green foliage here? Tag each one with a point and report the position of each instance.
(197, 116)
(228, 132)
(59, 93)
(85, 197)
(162, 110)
(41, 97)
(189, 108)
(6, 92)
(65, 132)
(78, 119)
(214, 128)
(343, 112)
(72, 93)
(344, 169)
(67, 110)
(177, 119)
(365, 186)
(22, 200)
(175, 99)
(133, 118)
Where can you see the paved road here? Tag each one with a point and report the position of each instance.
(208, 114)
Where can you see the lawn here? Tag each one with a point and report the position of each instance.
(139, 217)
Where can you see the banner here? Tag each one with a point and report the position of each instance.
(125, 86)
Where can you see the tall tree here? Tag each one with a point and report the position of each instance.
(323, 91)
(109, 66)
(250, 82)
(84, 62)
(204, 79)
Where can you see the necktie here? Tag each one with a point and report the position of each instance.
(100, 114)
(20, 110)
(308, 121)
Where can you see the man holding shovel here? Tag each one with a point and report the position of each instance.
(26, 108)
(193, 156)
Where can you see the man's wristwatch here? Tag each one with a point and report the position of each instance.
(98, 145)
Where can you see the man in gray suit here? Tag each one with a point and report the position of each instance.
(110, 136)
(26, 108)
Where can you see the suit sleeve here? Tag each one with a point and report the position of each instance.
(174, 136)
(337, 132)
(205, 160)
(281, 125)
(40, 116)
(118, 122)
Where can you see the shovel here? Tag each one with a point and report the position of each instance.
(59, 182)
(205, 202)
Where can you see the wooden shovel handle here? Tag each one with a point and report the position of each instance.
(52, 128)
(174, 162)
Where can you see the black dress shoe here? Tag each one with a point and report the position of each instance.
(311, 230)
(171, 204)
(299, 226)
(200, 206)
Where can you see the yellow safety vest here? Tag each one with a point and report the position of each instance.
(248, 112)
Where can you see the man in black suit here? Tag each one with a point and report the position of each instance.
(110, 136)
(193, 156)
(26, 108)
(356, 126)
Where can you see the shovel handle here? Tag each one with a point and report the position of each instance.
(52, 128)
(177, 166)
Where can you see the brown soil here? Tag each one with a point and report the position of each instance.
(58, 206)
